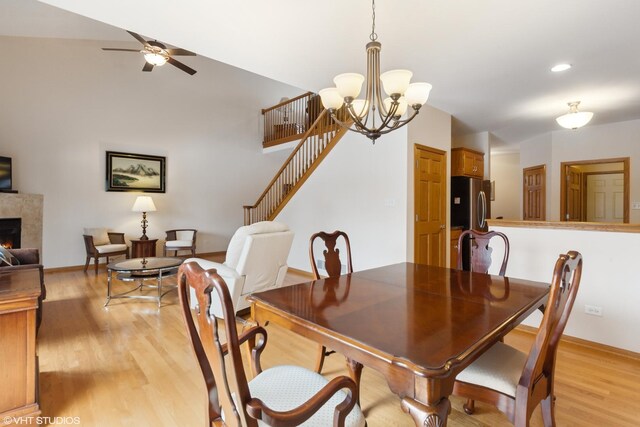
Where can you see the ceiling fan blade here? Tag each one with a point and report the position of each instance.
(180, 52)
(121, 50)
(138, 37)
(183, 67)
(147, 66)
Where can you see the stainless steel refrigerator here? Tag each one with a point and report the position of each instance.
(470, 208)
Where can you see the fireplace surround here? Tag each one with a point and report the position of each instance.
(29, 208)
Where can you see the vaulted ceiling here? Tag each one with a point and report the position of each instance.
(489, 61)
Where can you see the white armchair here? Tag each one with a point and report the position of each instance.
(256, 261)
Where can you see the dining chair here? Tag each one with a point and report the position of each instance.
(100, 243)
(181, 239)
(333, 267)
(281, 395)
(480, 258)
(516, 382)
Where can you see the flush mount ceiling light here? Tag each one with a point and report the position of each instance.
(574, 119)
(374, 116)
(560, 67)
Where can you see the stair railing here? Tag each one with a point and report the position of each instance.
(315, 144)
(289, 119)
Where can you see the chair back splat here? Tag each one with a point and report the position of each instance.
(481, 251)
(210, 352)
(332, 262)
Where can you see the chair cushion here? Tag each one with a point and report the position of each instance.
(7, 258)
(285, 387)
(178, 243)
(184, 235)
(234, 250)
(100, 236)
(499, 369)
(107, 249)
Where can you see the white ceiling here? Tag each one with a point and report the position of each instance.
(488, 60)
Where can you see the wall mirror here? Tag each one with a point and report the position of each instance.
(595, 191)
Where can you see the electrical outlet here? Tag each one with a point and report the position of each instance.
(593, 310)
(635, 206)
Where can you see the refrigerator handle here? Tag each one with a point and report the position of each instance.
(482, 209)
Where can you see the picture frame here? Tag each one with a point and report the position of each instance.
(135, 172)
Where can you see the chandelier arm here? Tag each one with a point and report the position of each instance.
(341, 123)
(398, 124)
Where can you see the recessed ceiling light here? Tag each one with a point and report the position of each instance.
(560, 67)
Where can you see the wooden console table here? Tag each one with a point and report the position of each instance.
(19, 292)
(143, 248)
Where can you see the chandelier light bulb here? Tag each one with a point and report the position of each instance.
(156, 59)
(574, 119)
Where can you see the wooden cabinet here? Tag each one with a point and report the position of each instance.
(143, 248)
(466, 162)
(453, 247)
(19, 292)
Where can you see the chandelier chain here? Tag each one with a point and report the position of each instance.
(373, 37)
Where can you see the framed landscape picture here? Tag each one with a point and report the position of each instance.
(135, 172)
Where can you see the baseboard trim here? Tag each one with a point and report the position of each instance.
(102, 266)
(585, 343)
(302, 272)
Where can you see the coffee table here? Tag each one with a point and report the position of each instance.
(141, 270)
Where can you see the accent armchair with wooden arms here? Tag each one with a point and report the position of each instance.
(100, 243)
(516, 382)
(256, 261)
(182, 239)
(29, 258)
(333, 267)
(279, 396)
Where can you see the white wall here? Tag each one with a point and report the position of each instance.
(597, 142)
(65, 102)
(360, 189)
(505, 170)
(609, 278)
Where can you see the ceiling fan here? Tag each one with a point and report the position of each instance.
(157, 54)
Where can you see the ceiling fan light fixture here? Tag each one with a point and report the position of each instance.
(574, 119)
(560, 67)
(156, 58)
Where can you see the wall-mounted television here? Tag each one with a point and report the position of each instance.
(5, 173)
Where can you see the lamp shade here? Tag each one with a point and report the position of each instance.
(574, 120)
(143, 204)
(156, 59)
(360, 107)
(349, 85)
(402, 106)
(417, 93)
(396, 81)
(331, 99)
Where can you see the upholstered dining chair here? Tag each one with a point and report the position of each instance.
(100, 243)
(256, 260)
(516, 382)
(281, 395)
(333, 267)
(480, 258)
(181, 239)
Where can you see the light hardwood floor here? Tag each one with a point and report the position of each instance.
(131, 364)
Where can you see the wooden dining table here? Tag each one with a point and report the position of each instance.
(417, 325)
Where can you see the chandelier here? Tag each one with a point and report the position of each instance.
(574, 119)
(374, 115)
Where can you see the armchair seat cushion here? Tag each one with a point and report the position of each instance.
(499, 369)
(178, 243)
(107, 249)
(285, 387)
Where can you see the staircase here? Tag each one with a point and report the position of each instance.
(315, 143)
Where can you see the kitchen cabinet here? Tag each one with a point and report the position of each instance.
(467, 162)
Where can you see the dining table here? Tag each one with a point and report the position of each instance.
(418, 325)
